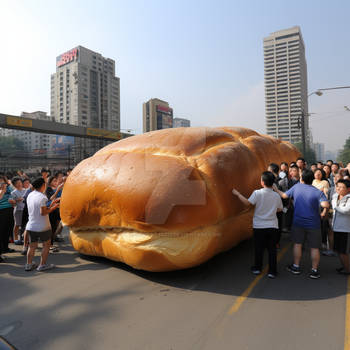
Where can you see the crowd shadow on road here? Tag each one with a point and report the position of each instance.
(227, 273)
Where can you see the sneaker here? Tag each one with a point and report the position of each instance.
(2, 259)
(24, 251)
(45, 267)
(328, 252)
(340, 269)
(271, 275)
(54, 249)
(30, 267)
(255, 271)
(314, 274)
(295, 270)
(18, 242)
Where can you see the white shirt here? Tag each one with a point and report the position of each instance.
(266, 203)
(37, 222)
(16, 194)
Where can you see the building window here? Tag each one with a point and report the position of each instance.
(288, 36)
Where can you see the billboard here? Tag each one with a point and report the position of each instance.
(110, 134)
(67, 57)
(164, 110)
(63, 145)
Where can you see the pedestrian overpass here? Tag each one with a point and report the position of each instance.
(55, 128)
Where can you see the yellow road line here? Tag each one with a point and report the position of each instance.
(347, 319)
(235, 307)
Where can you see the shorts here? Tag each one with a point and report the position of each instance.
(342, 242)
(44, 236)
(17, 214)
(312, 235)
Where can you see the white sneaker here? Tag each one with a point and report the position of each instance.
(30, 267)
(329, 252)
(45, 267)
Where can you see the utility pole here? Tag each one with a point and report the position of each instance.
(303, 136)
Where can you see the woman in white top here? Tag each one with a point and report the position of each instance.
(321, 182)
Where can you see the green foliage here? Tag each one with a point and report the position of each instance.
(10, 143)
(310, 155)
(344, 154)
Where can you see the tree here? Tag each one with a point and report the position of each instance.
(344, 154)
(310, 155)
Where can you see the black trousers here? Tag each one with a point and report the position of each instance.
(6, 228)
(280, 225)
(25, 219)
(265, 238)
(54, 221)
(324, 230)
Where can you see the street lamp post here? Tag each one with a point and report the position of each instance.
(301, 122)
(301, 125)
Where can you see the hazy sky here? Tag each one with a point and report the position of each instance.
(204, 57)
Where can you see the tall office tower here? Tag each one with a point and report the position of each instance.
(286, 85)
(157, 115)
(86, 92)
(181, 122)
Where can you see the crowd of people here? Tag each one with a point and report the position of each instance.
(29, 212)
(312, 203)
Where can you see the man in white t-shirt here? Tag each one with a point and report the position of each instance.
(38, 226)
(265, 223)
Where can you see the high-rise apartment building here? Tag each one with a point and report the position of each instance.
(181, 122)
(285, 73)
(157, 115)
(85, 90)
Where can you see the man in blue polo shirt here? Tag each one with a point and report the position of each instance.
(306, 220)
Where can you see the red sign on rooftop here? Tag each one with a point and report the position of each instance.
(67, 57)
(164, 109)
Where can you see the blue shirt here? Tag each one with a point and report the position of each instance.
(307, 199)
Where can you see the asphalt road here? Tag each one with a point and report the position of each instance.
(92, 303)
